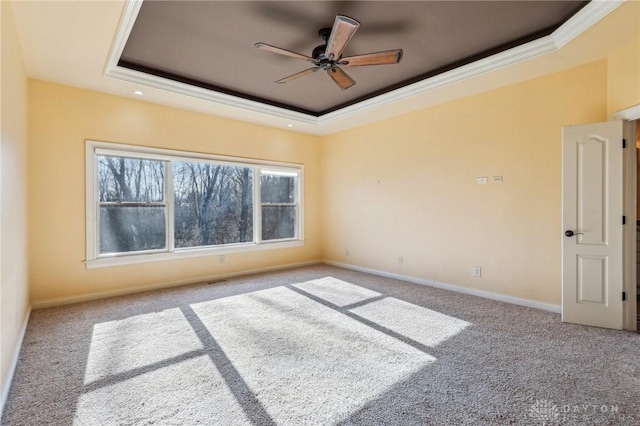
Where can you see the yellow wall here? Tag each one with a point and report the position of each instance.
(407, 186)
(14, 292)
(62, 118)
(620, 32)
(623, 85)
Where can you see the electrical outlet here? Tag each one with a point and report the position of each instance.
(482, 180)
(401, 260)
(346, 252)
(221, 259)
(497, 179)
(476, 271)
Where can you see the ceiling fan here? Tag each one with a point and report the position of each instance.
(328, 56)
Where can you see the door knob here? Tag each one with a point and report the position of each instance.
(570, 233)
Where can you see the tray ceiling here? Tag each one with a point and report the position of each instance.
(210, 44)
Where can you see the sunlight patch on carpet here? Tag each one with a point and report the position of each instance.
(304, 360)
(336, 291)
(139, 341)
(422, 325)
(182, 393)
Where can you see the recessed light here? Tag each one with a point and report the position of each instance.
(138, 92)
(289, 125)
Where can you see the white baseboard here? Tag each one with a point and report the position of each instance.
(451, 287)
(47, 303)
(422, 281)
(6, 385)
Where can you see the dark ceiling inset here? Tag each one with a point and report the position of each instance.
(210, 44)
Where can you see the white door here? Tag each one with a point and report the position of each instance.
(592, 210)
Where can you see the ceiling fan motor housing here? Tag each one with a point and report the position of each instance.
(324, 34)
(318, 52)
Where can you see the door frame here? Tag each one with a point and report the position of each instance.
(630, 172)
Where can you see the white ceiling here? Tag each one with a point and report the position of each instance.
(77, 43)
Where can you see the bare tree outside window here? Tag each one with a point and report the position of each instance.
(277, 194)
(213, 204)
(132, 208)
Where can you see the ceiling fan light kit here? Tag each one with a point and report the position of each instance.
(328, 56)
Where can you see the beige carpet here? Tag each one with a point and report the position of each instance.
(318, 346)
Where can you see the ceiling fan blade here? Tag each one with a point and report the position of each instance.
(341, 78)
(343, 29)
(284, 52)
(379, 58)
(297, 75)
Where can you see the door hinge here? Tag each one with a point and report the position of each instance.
(624, 143)
(624, 220)
(624, 296)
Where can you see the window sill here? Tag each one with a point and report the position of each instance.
(132, 259)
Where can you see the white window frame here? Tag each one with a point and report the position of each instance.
(96, 260)
(275, 172)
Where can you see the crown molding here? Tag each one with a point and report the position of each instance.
(128, 18)
(248, 110)
(237, 103)
(594, 11)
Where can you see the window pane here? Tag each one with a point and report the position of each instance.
(213, 204)
(277, 189)
(278, 222)
(130, 179)
(127, 229)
